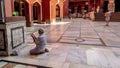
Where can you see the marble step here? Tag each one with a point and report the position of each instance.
(83, 66)
(13, 65)
(23, 66)
(46, 63)
(25, 61)
(2, 64)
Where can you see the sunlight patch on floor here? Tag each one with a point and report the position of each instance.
(54, 23)
(59, 23)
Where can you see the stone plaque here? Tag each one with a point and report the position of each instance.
(2, 40)
(2, 14)
(17, 36)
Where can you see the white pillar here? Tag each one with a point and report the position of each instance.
(111, 5)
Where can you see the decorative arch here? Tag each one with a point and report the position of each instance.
(26, 1)
(57, 10)
(36, 12)
(36, 2)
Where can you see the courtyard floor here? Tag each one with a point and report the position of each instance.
(73, 43)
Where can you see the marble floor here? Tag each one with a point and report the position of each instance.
(75, 43)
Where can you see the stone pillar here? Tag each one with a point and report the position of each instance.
(111, 6)
(2, 12)
(12, 5)
(66, 8)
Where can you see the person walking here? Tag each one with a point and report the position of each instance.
(107, 17)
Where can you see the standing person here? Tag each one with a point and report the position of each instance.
(84, 14)
(70, 13)
(92, 15)
(107, 17)
(40, 42)
(98, 9)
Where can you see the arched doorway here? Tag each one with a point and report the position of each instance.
(86, 8)
(36, 13)
(79, 9)
(22, 10)
(117, 5)
(105, 7)
(57, 11)
(72, 10)
(19, 8)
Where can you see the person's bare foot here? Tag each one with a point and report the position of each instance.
(107, 25)
(46, 50)
(37, 53)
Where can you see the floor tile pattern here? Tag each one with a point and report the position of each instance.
(74, 43)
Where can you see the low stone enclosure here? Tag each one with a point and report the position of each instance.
(12, 35)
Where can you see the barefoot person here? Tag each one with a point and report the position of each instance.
(107, 17)
(40, 42)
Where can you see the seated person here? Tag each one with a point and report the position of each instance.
(40, 42)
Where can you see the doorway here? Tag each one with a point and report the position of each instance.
(117, 5)
(79, 9)
(57, 11)
(36, 12)
(19, 8)
(86, 8)
(105, 8)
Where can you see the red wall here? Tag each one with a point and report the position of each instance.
(76, 4)
(46, 9)
(8, 8)
(65, 9)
